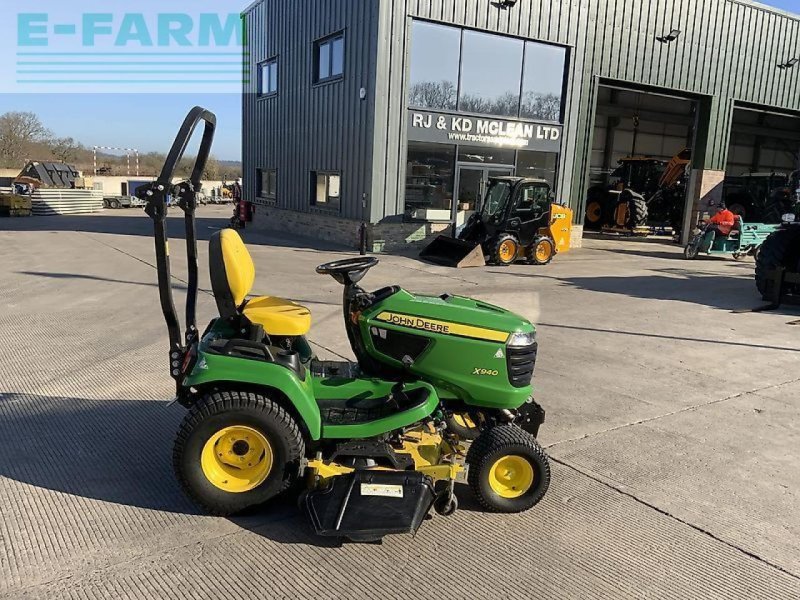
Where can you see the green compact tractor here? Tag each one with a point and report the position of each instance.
(370, 446)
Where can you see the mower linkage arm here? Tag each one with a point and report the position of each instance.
(156, 195)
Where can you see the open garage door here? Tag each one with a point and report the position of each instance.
(763, 160)
(642, 143)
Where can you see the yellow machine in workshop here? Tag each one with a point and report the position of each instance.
(517, 220)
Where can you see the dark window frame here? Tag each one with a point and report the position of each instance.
(260, 192)
(328, 205)
(267, 63)
(568, 51)
(329, 40)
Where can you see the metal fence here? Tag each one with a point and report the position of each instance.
(66, 202)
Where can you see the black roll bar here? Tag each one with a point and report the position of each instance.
(184, 195)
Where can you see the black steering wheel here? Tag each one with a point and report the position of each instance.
(348, 270)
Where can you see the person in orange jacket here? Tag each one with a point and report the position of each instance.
(722, 222)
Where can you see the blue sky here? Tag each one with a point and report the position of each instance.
(143, 120)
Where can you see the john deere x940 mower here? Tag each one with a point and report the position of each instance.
(367, 441)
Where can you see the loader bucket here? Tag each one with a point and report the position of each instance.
(452, 252)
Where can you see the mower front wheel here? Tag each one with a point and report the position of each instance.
(464, 425)
(235, 450)
(508, 470)
(504, 249)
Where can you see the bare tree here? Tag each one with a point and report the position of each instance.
(541, 106)
(18, 132)
(65, 149)
(433, 94)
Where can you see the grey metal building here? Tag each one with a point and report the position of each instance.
(394, 112)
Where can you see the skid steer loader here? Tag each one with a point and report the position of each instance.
(517, 220)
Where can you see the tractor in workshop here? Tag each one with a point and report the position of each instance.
(642, 190)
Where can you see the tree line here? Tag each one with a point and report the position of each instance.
(23, 137)
(444, 95)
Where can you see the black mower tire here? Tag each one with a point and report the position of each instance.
(498, 255)
(541, 251)
(218, 410)
(462, 429)
(780, 249)
(495, 444)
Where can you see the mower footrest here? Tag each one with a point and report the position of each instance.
(367, 505)
(352, 411)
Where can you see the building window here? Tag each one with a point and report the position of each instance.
(543, 81)
(268, 77)
(491, 69)
(430, 170)
(329, 58)
(537, 165)
(326, 189)
(267, 184)
(484, 73)
(434, 83)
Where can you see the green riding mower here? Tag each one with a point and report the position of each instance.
(368, 446)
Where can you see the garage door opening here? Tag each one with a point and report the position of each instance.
(640, 163)
(761, 177)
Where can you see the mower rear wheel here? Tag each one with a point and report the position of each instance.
(508, 470)
(541, 251)
(235, 450)
(504, 249)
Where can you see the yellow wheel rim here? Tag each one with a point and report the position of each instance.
(507, 250)
(593, 212)
(236, 459)
(464, 420)
(543, 251)
(511, 476)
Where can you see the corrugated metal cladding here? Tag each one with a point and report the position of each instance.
(308, 126)
(728, 52)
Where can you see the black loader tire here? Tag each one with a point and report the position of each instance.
(594, 214)
(498, 253)
(780, 249)
(498, 443)
(541, 251)
(637, 209)
(221, 409)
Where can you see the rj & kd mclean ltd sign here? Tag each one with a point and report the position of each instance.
(483, 131)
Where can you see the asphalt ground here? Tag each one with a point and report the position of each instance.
(672, 424)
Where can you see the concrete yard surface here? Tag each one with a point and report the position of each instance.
(672, 422)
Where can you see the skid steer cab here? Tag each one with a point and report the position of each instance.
(373, 443)
(517, 220)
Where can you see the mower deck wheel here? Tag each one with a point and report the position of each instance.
(445, 504)
(508, 470)
(235, 450)
(504, 249)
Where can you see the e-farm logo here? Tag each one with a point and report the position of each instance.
(133, 29)
(109, 50)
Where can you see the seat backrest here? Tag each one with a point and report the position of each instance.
(231, 269)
